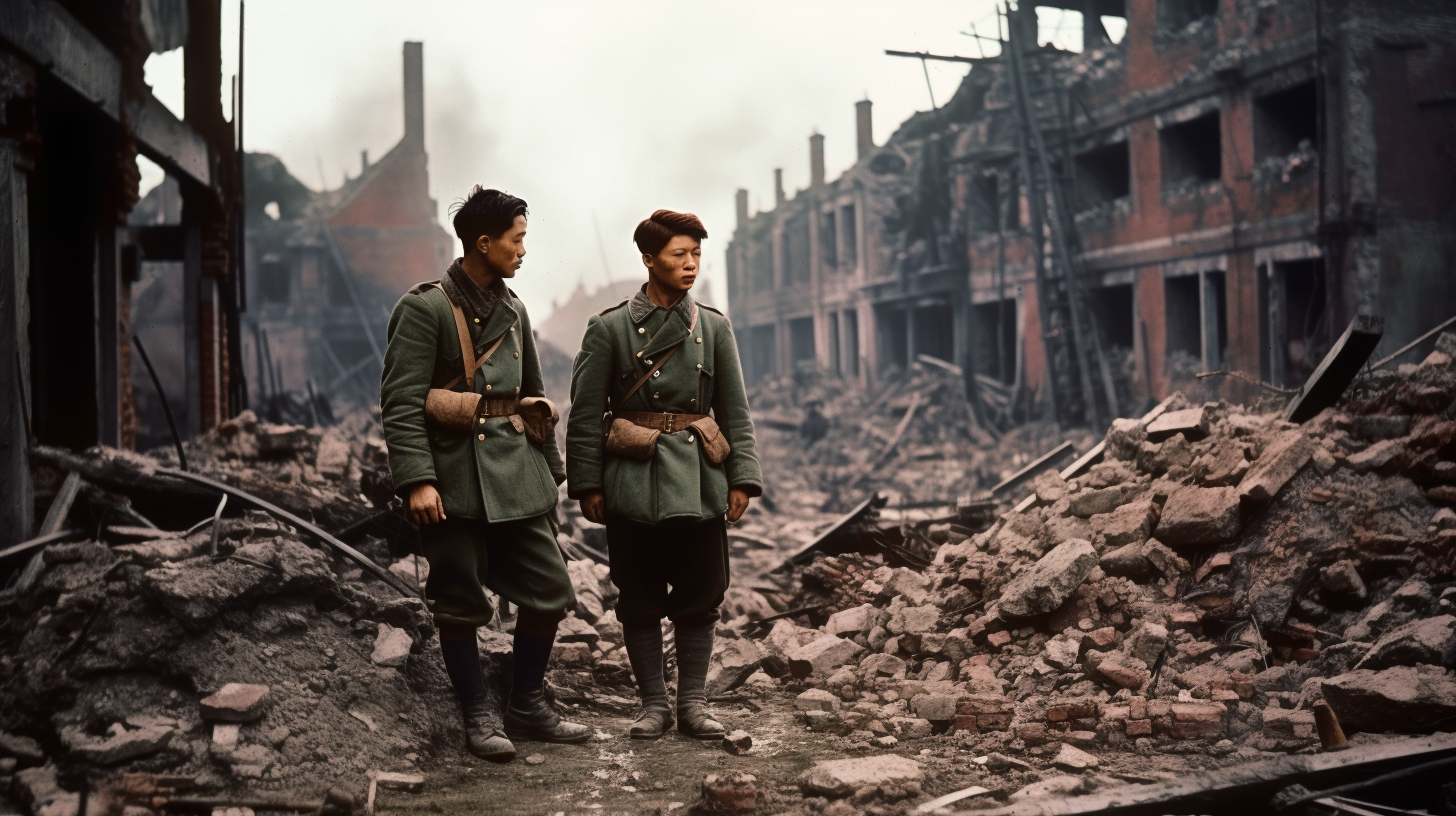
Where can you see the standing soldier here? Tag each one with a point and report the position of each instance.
(659, 471)
(472, 451)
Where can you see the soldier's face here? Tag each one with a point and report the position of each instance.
(676, 267)
(505, 254)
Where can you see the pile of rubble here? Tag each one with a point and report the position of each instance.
(825, 443)
(1203, 589)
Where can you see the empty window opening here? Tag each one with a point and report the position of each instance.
(1175, 16)
(835, 367)
(1192, 151)
(935, 332)
(762, 349)
(850, 230)
(760, 267)
(849, 348)
(1180, 308)
(1298, 331)
(801, 340)
(1196, 309)
(1286, 122)
(1077, 26)
(829, 240)
(796, 251)
(1112, 309)
(985, 203)
(993, 349)
(890, 327)
(1104, 174)
(273, 280)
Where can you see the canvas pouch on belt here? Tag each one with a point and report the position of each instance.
(457, 411)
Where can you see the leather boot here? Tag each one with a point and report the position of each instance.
(694, 649)
(531, 718)
(483, 737)
(654, 720)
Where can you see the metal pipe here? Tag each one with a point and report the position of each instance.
(162, 395)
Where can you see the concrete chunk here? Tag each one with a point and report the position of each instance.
(1200, 516)
(1072, 758)
(235, 702)
(1191, 422)
(1047, 583)
(1412, 699)
(1281, 459)
(1131, 523)
(733, 660)
(842, 777)
(1429, 640)
(852, 621)
(391, 646)
(822, 656)
(119, 745)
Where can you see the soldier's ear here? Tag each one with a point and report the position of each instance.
(647, 260)
(482, 244)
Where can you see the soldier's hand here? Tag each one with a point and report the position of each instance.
(737, 504)
(594, 507)
(425, 504)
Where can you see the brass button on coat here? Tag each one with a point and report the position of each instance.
(487, 387)
(481, 437)
(641, 331)
(482, 420)
(697, 339)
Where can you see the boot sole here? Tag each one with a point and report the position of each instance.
(702, 737)
(525, 736)
(657, 736)
(496, 756)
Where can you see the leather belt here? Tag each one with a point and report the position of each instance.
(491, 407)
(665, 422)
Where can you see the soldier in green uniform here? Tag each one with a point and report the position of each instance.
(460, 372)
(662, 472)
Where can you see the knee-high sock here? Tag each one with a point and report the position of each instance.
(644, 651)
(528, 676)
(694, 649)
(462, 663)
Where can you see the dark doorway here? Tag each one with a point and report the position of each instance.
(801, 340)
(994, 344)
(762, 350)
(890, 326)
(1112, 309)
(935, 332)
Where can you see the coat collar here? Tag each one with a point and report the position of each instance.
(640, 307)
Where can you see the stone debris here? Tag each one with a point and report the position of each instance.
(840, 778)
(737, 742)
(235, 702)
(730, 792)
(391, 646)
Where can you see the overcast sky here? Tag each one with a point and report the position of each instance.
(605, 109)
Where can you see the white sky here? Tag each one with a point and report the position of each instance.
(611, 109)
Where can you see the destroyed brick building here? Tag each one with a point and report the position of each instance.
(1223, 188)
(324, 269)
(76, 114)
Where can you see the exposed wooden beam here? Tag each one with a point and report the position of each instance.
(48, 35)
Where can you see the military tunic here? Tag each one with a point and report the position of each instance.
(678, 483)
(497, 486)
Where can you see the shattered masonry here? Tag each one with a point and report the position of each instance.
(1241, 178)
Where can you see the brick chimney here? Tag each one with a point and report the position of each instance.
(864, 134)
(740, 206)
(778, 187)
(414, 93)
(816, 160)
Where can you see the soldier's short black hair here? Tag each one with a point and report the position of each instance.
(485, 212)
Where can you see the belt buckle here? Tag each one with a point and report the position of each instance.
(668, 415)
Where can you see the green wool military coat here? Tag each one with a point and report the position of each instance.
(620, 345)
(494, 473)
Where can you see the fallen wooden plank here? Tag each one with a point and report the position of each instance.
(805, 553)
(359, 558)
(1416, 342)
(1239, 789)
(1191, 422)
(1337, 369)
(1035, 467)
(1094, 455)
(40, 541)
(936, 362)
(899, 431)
(61, 506)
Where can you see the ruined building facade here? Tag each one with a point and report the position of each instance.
(325, 269)
(74, 115)
(1239, 179)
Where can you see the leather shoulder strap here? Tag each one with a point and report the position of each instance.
(645, 377)
(467, 348)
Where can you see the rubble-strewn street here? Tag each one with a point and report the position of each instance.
(1192, 600)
